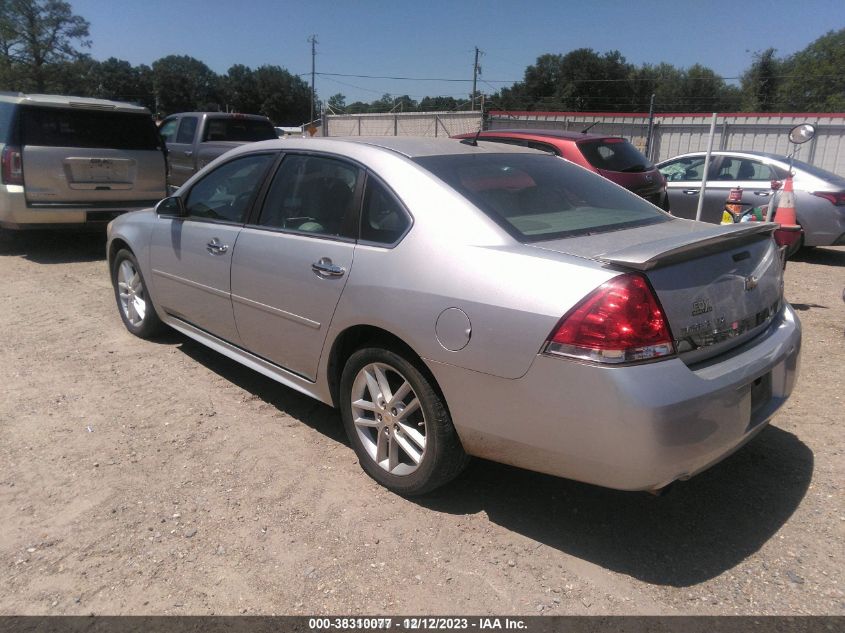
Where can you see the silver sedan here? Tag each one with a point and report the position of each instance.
(819, 194)
(468, 298)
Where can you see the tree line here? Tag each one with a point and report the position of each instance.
(42, 46)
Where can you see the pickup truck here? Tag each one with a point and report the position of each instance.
(194, 139)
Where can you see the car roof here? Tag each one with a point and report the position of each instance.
(408, 146)
(84, 103)
(557, 134)
(220, 115)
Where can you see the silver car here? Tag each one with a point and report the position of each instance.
(819, 194)
(460, 298)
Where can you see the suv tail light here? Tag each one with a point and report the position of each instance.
(620, 322)
(12, 165)
(836, 198)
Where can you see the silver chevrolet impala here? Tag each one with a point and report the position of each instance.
(465, 298)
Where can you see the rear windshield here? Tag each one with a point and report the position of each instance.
(239, 130)
(614, 154)
(539, 197)
(57, 127)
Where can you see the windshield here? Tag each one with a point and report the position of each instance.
(239, 130)
(57, 127)
(614, 154)
(539, 197)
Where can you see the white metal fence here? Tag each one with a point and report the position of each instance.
(679, 133)
(431, 124)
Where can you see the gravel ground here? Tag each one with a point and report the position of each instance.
(161, 478)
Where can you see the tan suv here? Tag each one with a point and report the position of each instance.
(71, 161)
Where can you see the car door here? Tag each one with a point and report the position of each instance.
(292, 263)
(683, 186)
(752, 175)
(180, 151)
(191, 256)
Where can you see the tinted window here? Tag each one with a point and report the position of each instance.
(57, 127)
(383, 219)
(7, 114)
(538, 197)
(239, 130)
(614, 154)
(167, 131)
(187, 128)
(226, 192)
(743, 169)
(690, 168)
(310, 194)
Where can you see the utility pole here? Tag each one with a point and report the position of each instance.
(648, 139)
(476, 70)
(313, 40)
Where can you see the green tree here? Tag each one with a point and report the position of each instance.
(240, 90)
(813, 79)
(285, 98)
(437, 104)
(337, 103)
(119, 80)
(760, 83)
(183, 83)
(35, 35)
(357, 107)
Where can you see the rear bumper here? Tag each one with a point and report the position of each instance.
(16, 214)
(631, 428)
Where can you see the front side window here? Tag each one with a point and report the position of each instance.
(311, 194)
(226, 192)
(690, 168)
(539, 197)
(167, 131)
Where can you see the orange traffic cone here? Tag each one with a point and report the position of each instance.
(785, 214)
(788, 234)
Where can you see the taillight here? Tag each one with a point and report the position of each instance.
(620, 322)
(12, 166)
(836, 198)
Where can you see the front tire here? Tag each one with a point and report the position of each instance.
(398, 423)
(133, 299)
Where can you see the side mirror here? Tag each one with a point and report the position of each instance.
(802, 133)
(173, 206)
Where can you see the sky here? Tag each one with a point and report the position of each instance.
(433, 39)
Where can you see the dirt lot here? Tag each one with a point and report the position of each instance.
(140, 477)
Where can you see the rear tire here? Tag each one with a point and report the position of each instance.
(398, 424)
(133, 299)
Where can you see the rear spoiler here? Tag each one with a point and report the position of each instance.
(670, 250)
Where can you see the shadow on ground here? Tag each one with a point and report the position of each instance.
(820, 255)
(696, 531)
(54, 247)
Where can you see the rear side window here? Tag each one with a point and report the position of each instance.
(58, 127)
(614, 154)
(383, 220)
(187, 128)
(536, 197)
(250, 130)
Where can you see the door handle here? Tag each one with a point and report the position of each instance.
(763, 193)
(691, 192)
(188, 153)
(325, 268)
(215, 247)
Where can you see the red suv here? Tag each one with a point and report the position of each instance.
(613, 157)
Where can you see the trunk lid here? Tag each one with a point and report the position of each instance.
(719, 285)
